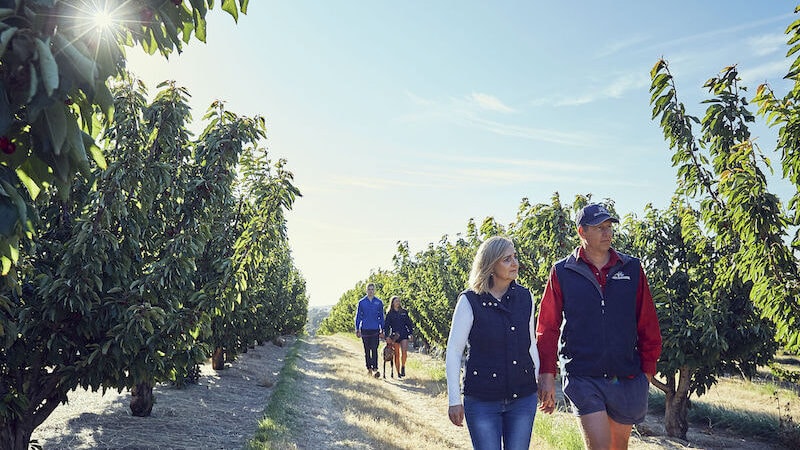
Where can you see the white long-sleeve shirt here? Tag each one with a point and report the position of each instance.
(457, 342)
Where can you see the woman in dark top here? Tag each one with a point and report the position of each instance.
(397, 321)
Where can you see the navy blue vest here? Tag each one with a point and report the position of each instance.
(499, 364)
(598, 333)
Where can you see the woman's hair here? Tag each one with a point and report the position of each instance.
(490, 251)
(391, 303)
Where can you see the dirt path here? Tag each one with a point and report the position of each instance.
(340, 407)
(336, 406)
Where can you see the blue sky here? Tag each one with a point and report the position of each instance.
(403, 120)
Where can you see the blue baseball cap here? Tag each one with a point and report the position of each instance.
(594, 214)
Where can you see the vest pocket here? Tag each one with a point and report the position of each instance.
(484, 381)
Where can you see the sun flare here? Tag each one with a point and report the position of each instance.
(102, 20)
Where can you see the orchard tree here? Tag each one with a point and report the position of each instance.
(542, 235)
(708, 323)
(113, 293)
(55, 59)
(734, 183)
(269, 286)
(432, 279)
(724, 171)
(86, 312)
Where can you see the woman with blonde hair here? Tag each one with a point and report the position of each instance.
(495, 318)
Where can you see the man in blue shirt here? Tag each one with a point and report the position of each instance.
(369, 327)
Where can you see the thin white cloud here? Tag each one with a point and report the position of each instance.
(573, 138)
(468, 113)
(383, 183)
(616, 88)
(770, 71)
(417, 100)
(535, 163)
(455, 178)
(619, 46)
(713, 35)
(490, 102)
(444, 172)
(767, 44)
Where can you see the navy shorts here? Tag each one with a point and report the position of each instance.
(623, 399)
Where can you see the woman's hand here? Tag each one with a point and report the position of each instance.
(456, 413)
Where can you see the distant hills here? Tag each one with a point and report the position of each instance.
(316, 314)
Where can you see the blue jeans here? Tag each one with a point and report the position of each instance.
(500, 424)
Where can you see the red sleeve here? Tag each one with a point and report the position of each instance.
(548, 327)
(647, 327)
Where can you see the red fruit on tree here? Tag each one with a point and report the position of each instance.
(6, 146)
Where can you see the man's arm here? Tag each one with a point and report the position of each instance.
(647, 327)
(548, 327)
(548, 330)
(381, 323)
(358, 318)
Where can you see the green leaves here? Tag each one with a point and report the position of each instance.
(50, 58)
(47, 66)
(726, 173)
(56, 124)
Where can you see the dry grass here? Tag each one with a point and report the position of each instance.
(325, 400)
(758, 397)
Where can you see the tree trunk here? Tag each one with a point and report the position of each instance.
(46, 392)
(218, 359)
(16, 435)
(675, 415)
(142, 399)
(676, 402)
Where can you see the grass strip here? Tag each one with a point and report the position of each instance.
(701, 413)
(274, 429)
(557, 431)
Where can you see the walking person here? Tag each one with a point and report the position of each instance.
(495, 317)
(369, 327)
(397, 321)
(598, 318)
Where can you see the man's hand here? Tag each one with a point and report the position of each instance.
(547, 392)
(358, 333)
(456, 413)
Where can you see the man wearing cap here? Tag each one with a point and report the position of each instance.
(598, 320)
